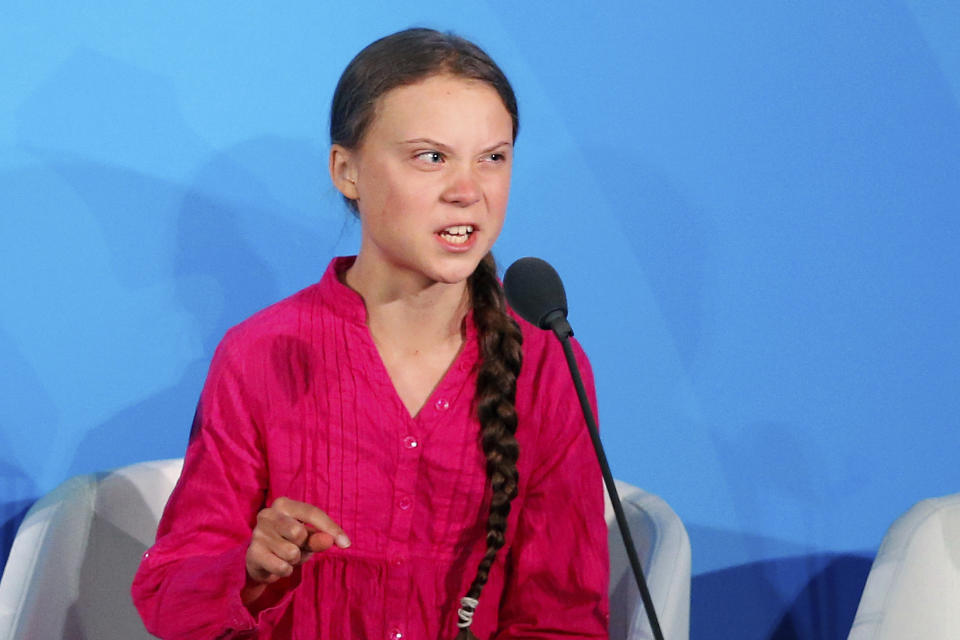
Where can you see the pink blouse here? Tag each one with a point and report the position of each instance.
(297, 403)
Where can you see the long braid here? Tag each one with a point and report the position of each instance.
(500, 359)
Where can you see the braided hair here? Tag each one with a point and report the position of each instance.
(401, 59)
(500, 360)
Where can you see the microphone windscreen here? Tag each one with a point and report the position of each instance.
(534, 290)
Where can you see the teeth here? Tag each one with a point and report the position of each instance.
(457, 234)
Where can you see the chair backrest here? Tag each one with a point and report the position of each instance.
(913, 590)
(75, 554)
(664, 550)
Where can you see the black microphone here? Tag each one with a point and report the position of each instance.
(535, 291)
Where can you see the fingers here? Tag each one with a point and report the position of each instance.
(282, 526)
(265, 566)
(311, 515)
(286, 534)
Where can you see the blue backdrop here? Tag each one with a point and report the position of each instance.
(754, 206)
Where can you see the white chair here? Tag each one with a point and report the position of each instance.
(913, 589)
(69, 571)
(75, 554)
(664, 551)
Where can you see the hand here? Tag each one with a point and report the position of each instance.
(286, 535)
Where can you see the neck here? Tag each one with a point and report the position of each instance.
(407, 311)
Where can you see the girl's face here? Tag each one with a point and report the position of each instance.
(430, 178)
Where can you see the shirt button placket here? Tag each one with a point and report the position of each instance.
(399, 536)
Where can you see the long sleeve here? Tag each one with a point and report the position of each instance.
(558, 567)
(189, 582)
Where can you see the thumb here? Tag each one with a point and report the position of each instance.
(319, 541)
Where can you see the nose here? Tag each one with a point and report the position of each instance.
(462, 189)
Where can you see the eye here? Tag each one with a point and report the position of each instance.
(496, 157)
(431, 157)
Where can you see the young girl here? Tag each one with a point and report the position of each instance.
(390, 453)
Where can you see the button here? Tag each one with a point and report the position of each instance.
(405, 503)
(395, 634)
(397, 561)
(442, 405)
(410, 442)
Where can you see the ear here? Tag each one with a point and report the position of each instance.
(343, 171)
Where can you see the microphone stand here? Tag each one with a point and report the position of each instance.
(557, 321)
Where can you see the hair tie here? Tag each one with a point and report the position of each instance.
(467, 608)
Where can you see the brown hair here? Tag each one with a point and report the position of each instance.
(402, 59)
(495, 397)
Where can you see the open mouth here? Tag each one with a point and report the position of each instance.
(457, 234)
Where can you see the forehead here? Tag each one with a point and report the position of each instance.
(442, 105)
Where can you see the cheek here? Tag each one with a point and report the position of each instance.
(380, 197)
(398, 191)
(498, 194)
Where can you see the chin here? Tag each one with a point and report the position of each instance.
(455, 274)
(449, 277)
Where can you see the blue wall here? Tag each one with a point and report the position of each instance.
(754, 206)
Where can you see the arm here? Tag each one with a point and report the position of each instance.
(189, 583)
(558, 565)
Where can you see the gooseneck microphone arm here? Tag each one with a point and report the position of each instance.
(611, 486)
(547, 308)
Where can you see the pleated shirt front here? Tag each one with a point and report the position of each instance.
(298, 403)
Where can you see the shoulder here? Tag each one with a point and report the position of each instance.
(547, 401)
(283, 318)
(551, 425)
(298, 316)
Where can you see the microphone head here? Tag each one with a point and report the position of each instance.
(535, 291)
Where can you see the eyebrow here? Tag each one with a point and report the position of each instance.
(442, 147)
